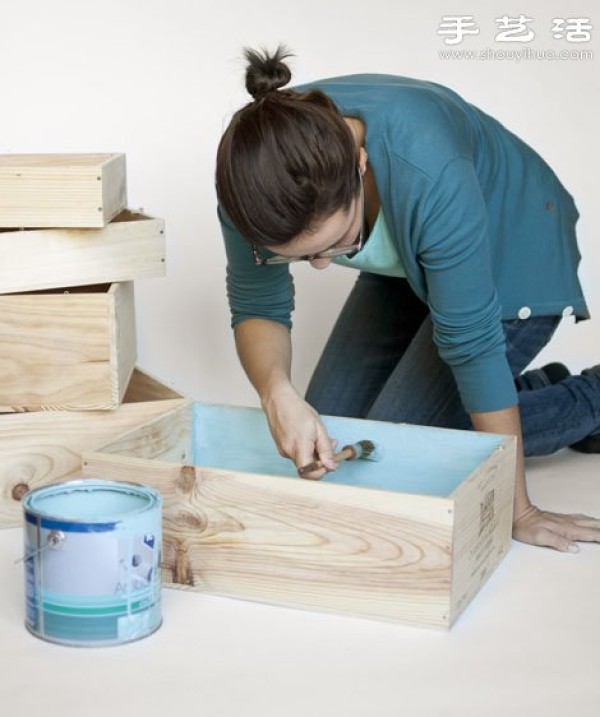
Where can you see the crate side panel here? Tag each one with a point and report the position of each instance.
(56, 351)
(271, 545)
(123, 342)
(254, 537)
(483, 508)
(163, 438)
(114, 187)
(45, 201)
(52, 190)
(58, 198)
(126, 249)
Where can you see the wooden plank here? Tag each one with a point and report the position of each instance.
(61, 190)
(66, 349)
(483, 507)
(124, 344)
(248, 536)
(131, 247)
(114, 187)
(41, 448)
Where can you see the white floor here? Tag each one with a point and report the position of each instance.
(527, 646)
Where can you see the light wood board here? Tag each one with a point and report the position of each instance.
(73, 349)
(130, 247)
(61, 190)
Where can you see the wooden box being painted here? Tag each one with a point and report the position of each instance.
(131, 247)
(67, 348)
(410, 538)
(40, 448)
(61, 190)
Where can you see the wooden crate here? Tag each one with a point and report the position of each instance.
(61, 190)
(410, 538)
(131, 247)
(67, 348)
(41, 448)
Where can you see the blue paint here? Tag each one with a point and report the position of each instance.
(92, 569)
(415, 459)
(86, 501)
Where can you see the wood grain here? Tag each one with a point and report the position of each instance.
(131, 247)
(45, 447)
(123, 348)
(73, 349)
(483, 523)
(61, 190)
(245, 537)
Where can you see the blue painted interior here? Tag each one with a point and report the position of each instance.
(414, 459)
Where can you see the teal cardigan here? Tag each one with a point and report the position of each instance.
(482, 226)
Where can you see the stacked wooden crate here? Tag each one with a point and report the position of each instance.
(70, 250)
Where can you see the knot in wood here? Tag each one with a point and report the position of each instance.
(19, 491)
(187, 479)
(182, 570)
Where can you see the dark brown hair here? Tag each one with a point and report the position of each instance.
(287, 159)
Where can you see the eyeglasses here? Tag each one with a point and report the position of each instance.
(348, 250)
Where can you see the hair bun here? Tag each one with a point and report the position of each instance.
(266, 73)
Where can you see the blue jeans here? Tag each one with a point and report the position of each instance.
(380, 363)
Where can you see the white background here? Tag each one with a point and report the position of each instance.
(159, 81)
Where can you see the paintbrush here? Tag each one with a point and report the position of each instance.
(365, 450)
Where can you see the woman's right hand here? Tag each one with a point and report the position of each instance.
(298, 431)
(265, 350)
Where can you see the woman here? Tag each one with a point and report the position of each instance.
(466, 245)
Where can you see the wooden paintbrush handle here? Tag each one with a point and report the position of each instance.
(347, 453)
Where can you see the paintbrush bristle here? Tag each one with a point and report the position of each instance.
(368, 450)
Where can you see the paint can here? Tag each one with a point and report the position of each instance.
(92, 562)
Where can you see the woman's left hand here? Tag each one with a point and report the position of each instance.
(555, 530)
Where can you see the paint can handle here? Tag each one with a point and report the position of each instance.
(53, 541)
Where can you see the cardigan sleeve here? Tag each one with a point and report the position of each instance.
(254, 292)
(454, 254)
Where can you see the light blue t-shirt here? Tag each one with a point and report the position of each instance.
(379, 255)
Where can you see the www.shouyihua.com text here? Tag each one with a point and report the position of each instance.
(523, 55)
